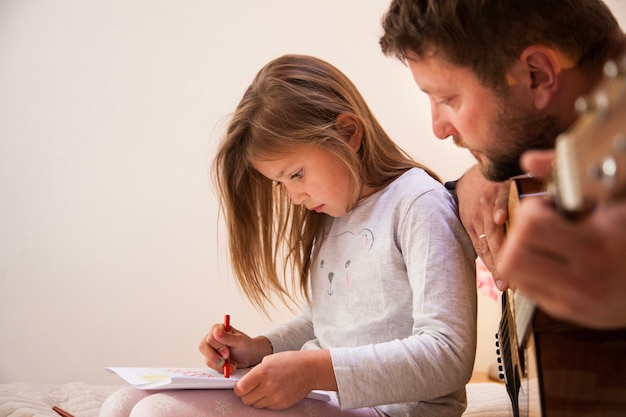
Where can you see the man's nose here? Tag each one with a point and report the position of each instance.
(442, 128)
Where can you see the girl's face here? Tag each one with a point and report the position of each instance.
(313, 177)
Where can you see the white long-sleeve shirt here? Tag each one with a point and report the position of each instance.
(393, 298)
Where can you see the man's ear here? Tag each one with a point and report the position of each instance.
(350, 127)
(543, 68)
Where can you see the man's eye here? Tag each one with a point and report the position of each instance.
(297, 175)
(447, 101)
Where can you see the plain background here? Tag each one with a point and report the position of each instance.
(110, 251)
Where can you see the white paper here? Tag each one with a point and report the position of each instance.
(187, 378)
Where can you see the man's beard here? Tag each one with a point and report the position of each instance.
(517, 132)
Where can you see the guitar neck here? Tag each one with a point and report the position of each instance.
(522, 307)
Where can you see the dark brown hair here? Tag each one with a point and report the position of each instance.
(486, 36)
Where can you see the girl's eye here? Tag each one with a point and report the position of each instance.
(297, 175)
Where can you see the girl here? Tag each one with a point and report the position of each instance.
(313, 188)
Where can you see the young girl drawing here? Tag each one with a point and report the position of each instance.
(313, 188)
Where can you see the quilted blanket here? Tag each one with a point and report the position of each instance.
(37, 400)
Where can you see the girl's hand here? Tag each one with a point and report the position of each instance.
(242, 350)
(285, 378)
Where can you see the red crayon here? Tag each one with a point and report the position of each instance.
(61, 412)
(227, 362)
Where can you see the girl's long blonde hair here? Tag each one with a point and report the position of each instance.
(293, 101)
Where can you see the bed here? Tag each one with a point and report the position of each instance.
(31, 399)
(485, 399)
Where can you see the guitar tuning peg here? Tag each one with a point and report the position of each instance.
(604, 171)
(611, 69)
(598, 102)
(615, 68)
(501, 376)
(582, 105)
(499, 360)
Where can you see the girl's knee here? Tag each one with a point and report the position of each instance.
(188, 403)
(121, 402)
(155, 405)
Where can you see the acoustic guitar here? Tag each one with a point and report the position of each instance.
(553, 368)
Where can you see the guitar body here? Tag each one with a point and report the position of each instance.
(581, 372)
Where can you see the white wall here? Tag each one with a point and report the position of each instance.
(109, 114)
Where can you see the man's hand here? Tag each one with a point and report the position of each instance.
(573, 270)
(483, 212)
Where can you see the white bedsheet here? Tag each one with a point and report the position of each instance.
(83, 400)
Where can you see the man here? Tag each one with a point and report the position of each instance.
(502, 77)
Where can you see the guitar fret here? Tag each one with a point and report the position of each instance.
(524, 309)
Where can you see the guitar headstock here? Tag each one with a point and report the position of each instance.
(590, 162)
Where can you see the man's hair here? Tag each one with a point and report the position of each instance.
(486, 36)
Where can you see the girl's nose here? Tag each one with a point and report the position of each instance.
(297, 196)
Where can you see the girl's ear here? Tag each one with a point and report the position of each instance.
(349, 126)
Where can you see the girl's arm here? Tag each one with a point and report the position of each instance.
(294, 334)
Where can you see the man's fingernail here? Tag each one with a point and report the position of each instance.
(500, 284)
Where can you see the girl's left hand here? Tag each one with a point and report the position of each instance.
(283, 379)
